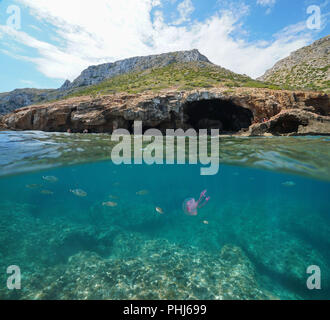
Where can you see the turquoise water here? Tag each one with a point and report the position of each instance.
(255, 238)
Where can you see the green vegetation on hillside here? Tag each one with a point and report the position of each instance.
(302, 76)
(306, 69)
(179, 76)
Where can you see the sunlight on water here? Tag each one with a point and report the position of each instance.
(99, 231)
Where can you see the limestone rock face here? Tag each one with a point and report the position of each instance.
(230, 111)
(21, 98)
(96, 74)
(293, 121)
(306, 67)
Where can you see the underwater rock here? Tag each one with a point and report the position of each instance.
(313, 227)
(161, 271)
(128, 244)
(289, 258)
(25, 240)
(75, 238)
(47, 243)
(281, 254)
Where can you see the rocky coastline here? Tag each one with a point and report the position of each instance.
(244, 111)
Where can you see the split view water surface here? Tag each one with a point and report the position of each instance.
(80, 227)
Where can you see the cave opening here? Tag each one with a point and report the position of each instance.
(218, 114)
(288, 124)
(321, 105)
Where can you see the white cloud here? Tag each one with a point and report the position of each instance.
(185, 9)
(28, 83)
(89, 34)
(266, 3)
(35, 28)
(51, 61)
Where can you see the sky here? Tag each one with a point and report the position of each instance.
(43, 43)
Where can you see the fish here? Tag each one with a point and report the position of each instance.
(50, 178)
(142, 192)
(113, 197)
(79, 192)
(159, 210)
(33, 186)
(288, 184)
(109, 204)
(47, 192)
(205, 222)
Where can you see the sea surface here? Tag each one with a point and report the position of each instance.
(80, 227)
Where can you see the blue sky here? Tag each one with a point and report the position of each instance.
(57, 39)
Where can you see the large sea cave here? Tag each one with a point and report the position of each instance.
(217, 114)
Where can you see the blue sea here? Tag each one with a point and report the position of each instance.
(80, 227)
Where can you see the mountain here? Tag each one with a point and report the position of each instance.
(17, 98)
(93, 75)
(96, 74)
(179, 69)
(177, 76)
(306, 68)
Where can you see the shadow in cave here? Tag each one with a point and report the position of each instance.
(217, 114)
(287, 124)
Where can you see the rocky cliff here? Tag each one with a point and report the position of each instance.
(308, 67)
(93, 75)
(232, 111)
(136, 81)
(10, 101)
(96, 74)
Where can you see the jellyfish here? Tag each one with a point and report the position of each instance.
(190, 205)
